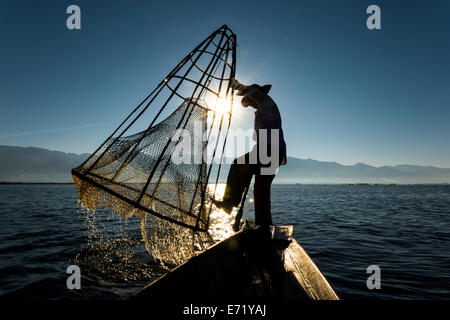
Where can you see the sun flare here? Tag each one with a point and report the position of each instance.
(221, 104)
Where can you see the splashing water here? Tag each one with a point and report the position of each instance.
(115, 257)
(118, 237)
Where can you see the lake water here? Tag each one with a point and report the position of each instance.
(405, 230)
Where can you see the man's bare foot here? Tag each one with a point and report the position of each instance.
(225, 206)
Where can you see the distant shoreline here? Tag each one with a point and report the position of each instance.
(7, 182)
(305, 184)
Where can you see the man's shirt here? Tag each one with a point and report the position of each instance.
(267, 116)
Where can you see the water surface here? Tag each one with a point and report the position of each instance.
(405, 230)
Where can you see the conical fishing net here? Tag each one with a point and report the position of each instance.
(157, 165)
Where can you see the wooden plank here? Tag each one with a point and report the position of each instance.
(307, 274)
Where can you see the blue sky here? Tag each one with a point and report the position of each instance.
(346, 93)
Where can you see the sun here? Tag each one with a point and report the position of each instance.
(220, 105)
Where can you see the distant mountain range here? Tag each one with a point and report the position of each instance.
(18, 164)
(313, 171)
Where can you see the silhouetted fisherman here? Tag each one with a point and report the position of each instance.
(268, 135)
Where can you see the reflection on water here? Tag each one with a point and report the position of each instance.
(221, 223)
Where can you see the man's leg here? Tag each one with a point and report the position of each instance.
(261, 190)
(238, 179)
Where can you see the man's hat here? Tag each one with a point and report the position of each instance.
(243, 90)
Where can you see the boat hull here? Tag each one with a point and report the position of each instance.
(248, 265)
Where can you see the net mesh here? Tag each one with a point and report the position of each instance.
(136, 174)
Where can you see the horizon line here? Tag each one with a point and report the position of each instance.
(295, 157)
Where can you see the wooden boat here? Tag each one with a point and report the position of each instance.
(248, 265)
